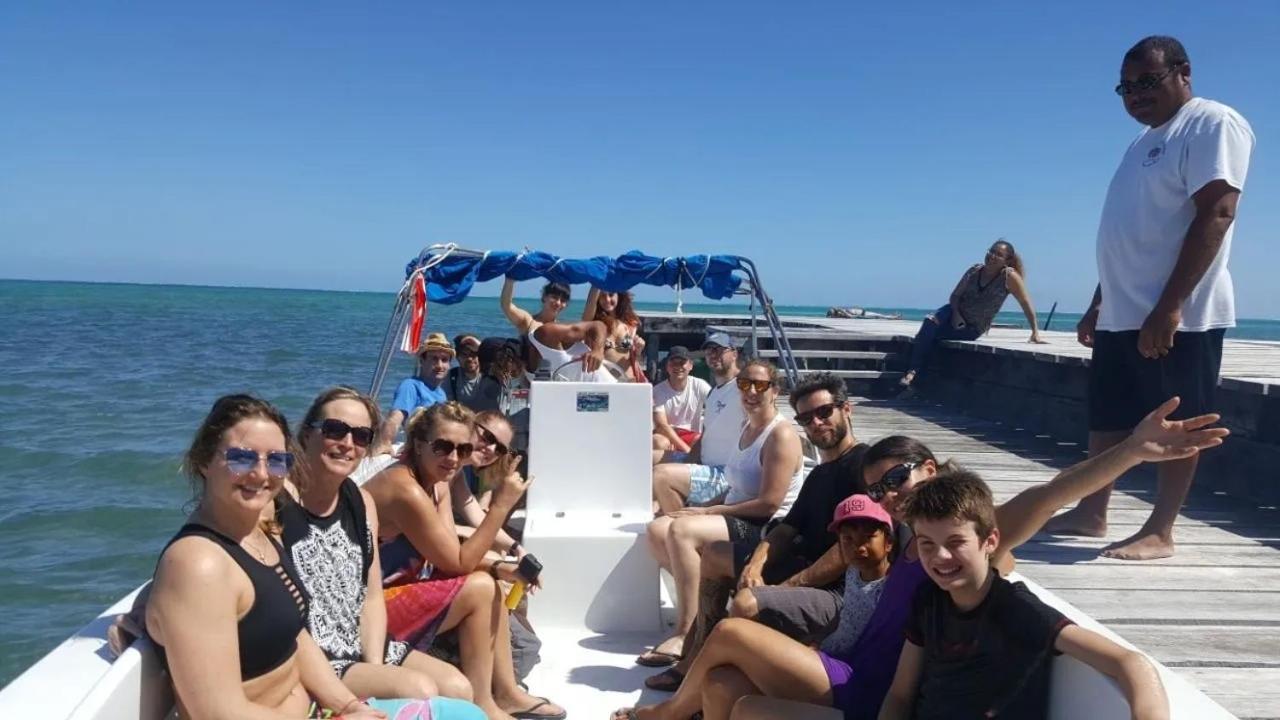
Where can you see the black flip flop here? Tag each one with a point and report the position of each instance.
(668, 680)
(657, 658)
(531, 715)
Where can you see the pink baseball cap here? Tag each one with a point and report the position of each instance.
(858, 506)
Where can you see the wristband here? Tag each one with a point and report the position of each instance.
(515, 545)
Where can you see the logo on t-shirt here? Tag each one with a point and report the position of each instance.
(1154, 155)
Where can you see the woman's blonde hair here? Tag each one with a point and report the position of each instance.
(425, 422)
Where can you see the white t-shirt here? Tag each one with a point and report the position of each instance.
(723, 419)
(1149, 209)
(683, 408)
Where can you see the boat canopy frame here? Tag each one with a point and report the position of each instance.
(427, 278)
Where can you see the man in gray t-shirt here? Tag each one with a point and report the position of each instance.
(465, 383)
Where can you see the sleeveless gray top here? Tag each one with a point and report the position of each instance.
(980, 302)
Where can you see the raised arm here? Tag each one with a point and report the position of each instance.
(1155, 439)
(466, 505)
(414, 513)
(593, 300)
(387, 433)
(1215, 211)
(1138, 678)
(1018, 289)
(518, 317)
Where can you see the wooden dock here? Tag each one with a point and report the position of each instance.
(1211, 613)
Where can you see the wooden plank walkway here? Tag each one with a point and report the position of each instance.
(1249, 365)
(1212, 612)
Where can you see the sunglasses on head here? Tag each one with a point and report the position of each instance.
(335, 429)
(761, 386)
(822, 412)
(492, 440)
(442, 448)
(1145, 82)
(242, 461)
(891, 480)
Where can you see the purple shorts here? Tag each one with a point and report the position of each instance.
(843, 692)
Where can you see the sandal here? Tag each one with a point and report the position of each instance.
(624, 714)
(668, 680)
(529, 714)
(658, 658)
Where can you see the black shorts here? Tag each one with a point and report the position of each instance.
(1124, 386)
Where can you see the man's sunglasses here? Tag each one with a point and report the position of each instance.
(1145, 82)
(442, 448)
(242, 461)
(335, 429)
(491, 440)
(891, 480)
(761, 386)
(822, 412)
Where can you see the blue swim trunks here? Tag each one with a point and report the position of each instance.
(706, 483)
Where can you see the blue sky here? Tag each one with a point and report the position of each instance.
(859, 154)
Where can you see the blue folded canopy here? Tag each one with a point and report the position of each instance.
(451, 280)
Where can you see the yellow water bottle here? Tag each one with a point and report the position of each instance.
(529, 569)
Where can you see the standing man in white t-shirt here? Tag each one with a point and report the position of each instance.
(697, 478)
(677, 406)
(1164, 298)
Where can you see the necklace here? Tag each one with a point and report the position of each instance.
(262, 557)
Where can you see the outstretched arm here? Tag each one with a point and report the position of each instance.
(1018, 288)
(1155, 439)
(1137, 677)
(518, 317)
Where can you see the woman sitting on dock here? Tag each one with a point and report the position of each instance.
(973, 306)
(228, 611)
(623, 345)
(432, 581)
(764, 477)
(743, 658)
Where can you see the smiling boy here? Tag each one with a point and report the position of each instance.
(978, 645)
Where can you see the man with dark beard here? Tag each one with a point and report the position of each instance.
(792, 580)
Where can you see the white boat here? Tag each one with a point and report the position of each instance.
(604, 599)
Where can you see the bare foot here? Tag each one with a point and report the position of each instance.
(1144, 545)
(642, 712)
(1075, 522)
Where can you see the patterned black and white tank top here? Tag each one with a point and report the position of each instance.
(333, 555)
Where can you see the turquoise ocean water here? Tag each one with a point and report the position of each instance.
(102, 385)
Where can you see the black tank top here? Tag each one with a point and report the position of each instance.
(332, 555)
(268, 633)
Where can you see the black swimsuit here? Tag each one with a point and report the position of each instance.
(268, 633)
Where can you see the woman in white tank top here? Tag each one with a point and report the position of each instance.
(764, 478)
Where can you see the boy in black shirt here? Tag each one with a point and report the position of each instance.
(978, 646)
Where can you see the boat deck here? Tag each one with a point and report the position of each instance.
(1211, 613)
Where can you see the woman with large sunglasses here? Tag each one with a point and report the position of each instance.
(743, 658)
(491, 461)
(329, 528)
(228, 610)
(764, 477)
(432, 581)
